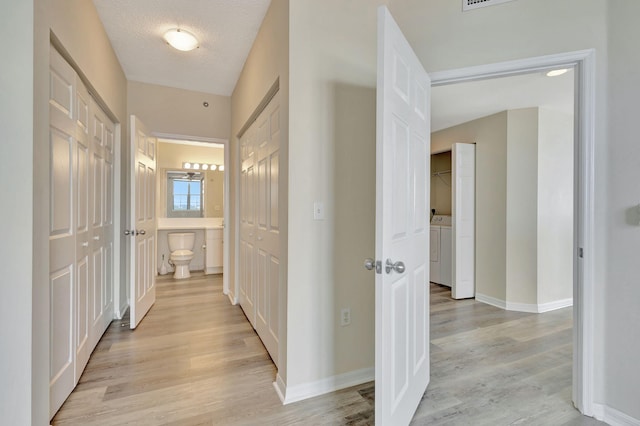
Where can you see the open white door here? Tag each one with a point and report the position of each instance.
(463, 159)
(143, 222)
(402, 227)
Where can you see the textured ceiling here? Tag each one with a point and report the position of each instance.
(458, 103)
(226, 30)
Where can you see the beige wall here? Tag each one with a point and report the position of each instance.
(522, 206)
(441, 185)
(180, 112)
(268, 61)
(332, 160)
(170, 158)
(445, 38)
(490, 136)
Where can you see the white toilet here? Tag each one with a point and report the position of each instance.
(181, 246)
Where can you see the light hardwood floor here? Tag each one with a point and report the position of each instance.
(195, 360)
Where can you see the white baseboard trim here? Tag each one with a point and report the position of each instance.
(213, 270)
(330, 384)
(524, 307)
(613, 417)
(556, 304)
(491, 301)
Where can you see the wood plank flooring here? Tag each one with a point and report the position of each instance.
(195, 360)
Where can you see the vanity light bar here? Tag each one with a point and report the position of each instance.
(202, 166)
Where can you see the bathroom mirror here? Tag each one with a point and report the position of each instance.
(187, 192)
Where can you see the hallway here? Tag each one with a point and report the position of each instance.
(195, 360)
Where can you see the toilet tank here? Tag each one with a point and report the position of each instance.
(181, 240)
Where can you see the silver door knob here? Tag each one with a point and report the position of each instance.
(128, 232)
(141, 232)
(369, 264)
(390, 265)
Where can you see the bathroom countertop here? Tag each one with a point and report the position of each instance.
(189, 223)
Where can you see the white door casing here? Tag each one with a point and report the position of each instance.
(142, 219)
(259, 225)
(463, 209)
(402, 227)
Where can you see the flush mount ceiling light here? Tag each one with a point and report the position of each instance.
(555, 73)
(181, 39)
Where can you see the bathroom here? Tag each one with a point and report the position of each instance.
(190, 200)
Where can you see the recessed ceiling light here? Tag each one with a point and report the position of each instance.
(181, 39)
(555, 73)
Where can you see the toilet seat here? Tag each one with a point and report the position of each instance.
(182, 255)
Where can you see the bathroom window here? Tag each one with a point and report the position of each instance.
(185, 194)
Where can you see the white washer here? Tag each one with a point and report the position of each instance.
(440, 250)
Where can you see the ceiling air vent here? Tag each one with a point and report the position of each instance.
(476, 4)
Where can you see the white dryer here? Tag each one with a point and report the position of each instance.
(440, 250)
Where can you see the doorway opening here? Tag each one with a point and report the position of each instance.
(193, 197)
(582, 213)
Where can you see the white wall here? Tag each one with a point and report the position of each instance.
(555, 206)
(619, 235)
(16, 153)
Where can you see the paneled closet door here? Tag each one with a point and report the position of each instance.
(84, 267)
(63, 269)
(267, 227)
(101, 221)
(81, 230)
(248, 225)
(259, 226)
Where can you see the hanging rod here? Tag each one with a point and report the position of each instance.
(444, 172)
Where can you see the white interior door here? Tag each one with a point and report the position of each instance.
(259, 225)
(63, 232)
(267, 227)
(101, 142)
(463, 203)
(82, 233)
(248, 224)
(143, 222)
(402, 226)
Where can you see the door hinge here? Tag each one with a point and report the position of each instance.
(580, 252)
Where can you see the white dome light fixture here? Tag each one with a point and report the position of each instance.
(555, 73)
(181, 39)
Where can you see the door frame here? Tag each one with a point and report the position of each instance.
(226, 198)
(584, 64)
